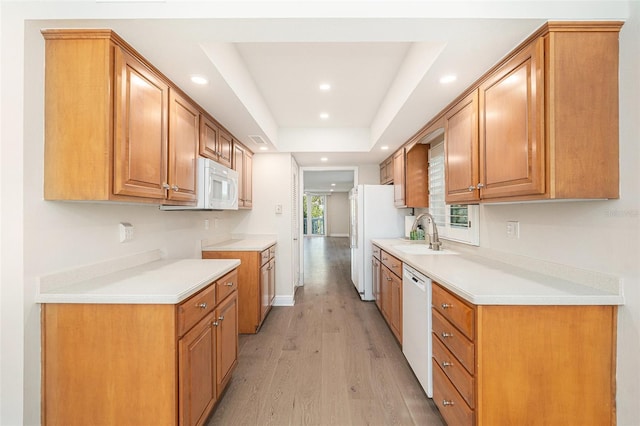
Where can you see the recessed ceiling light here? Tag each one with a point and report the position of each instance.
(448, 79)
(324, 115)
(333, 184)
(264, 148)
(331, 190)
(384, 148)
(325, 87)
(198, 79)
(323, 159)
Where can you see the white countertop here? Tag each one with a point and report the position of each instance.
(159, 282)
(245, 244)
(483, 281)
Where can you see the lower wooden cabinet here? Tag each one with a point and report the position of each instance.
(523, 365)
(391, 292)
(135, 364)
(256, 285)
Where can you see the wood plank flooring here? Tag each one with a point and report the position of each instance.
(329, 360)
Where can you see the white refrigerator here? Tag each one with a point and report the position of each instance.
(372, 215)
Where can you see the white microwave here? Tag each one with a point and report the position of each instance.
(217, 188)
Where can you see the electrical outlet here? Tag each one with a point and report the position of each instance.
(206, 224)
(513, 230)
(278, 208)
(126, 232)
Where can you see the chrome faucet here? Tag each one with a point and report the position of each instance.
(434, 243)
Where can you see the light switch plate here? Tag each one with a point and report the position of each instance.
(126, 232)
(278, 208)
(513, 229)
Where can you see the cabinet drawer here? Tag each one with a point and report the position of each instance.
(195, 308)
(272, 252)
(393, 263)
(461, 379)
(454, 309)
(453, 339)
(451, 405)
(226, 285)
(264, 256)
(376, 252)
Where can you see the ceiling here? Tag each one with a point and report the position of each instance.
(264, 61)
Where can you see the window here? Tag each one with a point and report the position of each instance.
(455, 222)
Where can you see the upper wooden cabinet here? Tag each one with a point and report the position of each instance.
(543, 124)
(243, 164)
(215, 143)
(184, 139)
(107, 122)
(417, 176)
(386, 171)
(399, 179)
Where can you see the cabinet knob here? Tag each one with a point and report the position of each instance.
(165, 186)
(202, 305)
(221, 318)
(175, 188)
(446, 402)
(446, 364)
(471, 188)
(446, 306)
(229, 284)
(215, 323)
(480, 185)
(388, 279)
(445, 334)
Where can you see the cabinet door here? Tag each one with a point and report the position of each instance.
(224, 148)
(272, 281)
(140, 141)
(396, 307)
(226, 340)
(238, 166)
(398, 178)
(461, 151)
(385, 291)
(264, 290)
(376, 280)
(512, 127)
(197, 372)
(184, 136)
(417, 176)
(209, 134)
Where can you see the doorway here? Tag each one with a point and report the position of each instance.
(314, 215)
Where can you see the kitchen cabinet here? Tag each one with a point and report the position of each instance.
(484, 356)
(375, 276)
(256, 284)
(184, 137)
(163, 364)
(417, 176)
(539, 125)
(399, 179)
(107, 124)
(215, 142)
(386, 171)
(243, 164)
(391, 293)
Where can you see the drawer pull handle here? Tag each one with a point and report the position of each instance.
(446, 364)
(446, 305)
(229, 284)
(445, 334)
(446, 403)
(202, 305)
(388, 279)
(221, 318)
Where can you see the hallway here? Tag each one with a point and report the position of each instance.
(330, 359)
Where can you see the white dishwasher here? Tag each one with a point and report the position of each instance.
(416, 325)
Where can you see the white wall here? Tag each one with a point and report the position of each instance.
(272, 184)
(338, 214)
(369, 175)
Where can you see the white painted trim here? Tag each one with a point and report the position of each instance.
(284, 301)
(338, 235)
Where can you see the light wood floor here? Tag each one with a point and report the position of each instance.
(329, 360)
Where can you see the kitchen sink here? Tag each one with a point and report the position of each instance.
(420, 249)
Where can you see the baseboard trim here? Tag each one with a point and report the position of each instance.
(284, 301)
(338, 235)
